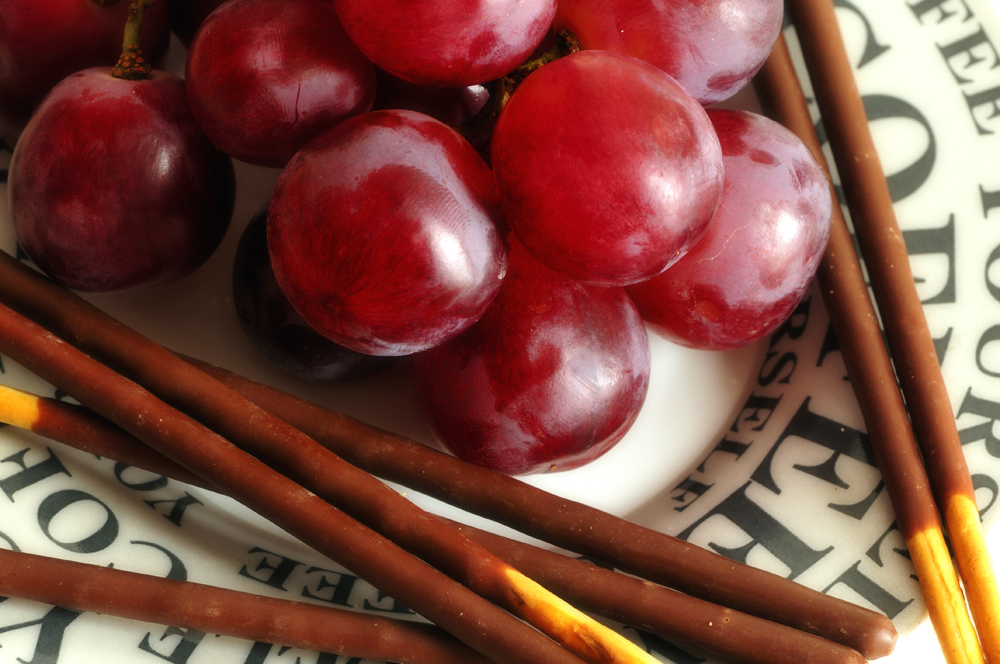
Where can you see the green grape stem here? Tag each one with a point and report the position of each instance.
(132, 65)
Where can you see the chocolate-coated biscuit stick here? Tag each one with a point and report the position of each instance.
(354, 491)
(718, 630)
(464, 614)
(677, 617)
(82, 429)
(910, 341)
(570, 525)
(135, 596)
(578, 527)
(874, 380)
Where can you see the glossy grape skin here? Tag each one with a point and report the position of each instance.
(449, 44)
(382, 233)
(550, 378)
(752, 268)
(274, 327)
(608, 170)
(264, 77)
(113, 187)
(712, 47)
(43, 42)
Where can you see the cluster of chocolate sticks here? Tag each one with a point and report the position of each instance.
(315, 473)
(913, 432)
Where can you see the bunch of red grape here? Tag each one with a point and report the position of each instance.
(505, 190)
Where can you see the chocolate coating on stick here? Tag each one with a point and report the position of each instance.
(913, 351)
(886, 258)
(881, 241)
(736, 636)
(853, 317)
(300, 512)
(294, 454)
(677, 617)
(221, 611)
(873, 378)
(65, 422)
(577, 527)
(570, 525)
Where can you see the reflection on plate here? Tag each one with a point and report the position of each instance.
(759, 454)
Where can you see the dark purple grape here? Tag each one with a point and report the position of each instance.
(453, 106)
(42, 43)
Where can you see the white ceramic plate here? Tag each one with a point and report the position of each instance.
(785, 491)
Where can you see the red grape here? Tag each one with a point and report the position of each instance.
(382, 233)
(113, 187)
(43, 42)
(550, 378)
(608, 170)
(712, 47)
(449, 44)
(762, 249)
(264, 77)
(274, 327)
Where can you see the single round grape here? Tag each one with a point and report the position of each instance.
(712, 47)
(551, 377)
(274, 327)
(113, 187)
(264, 77)
(449, 44)
(752, 268)
(608, 170)
(382, 233)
